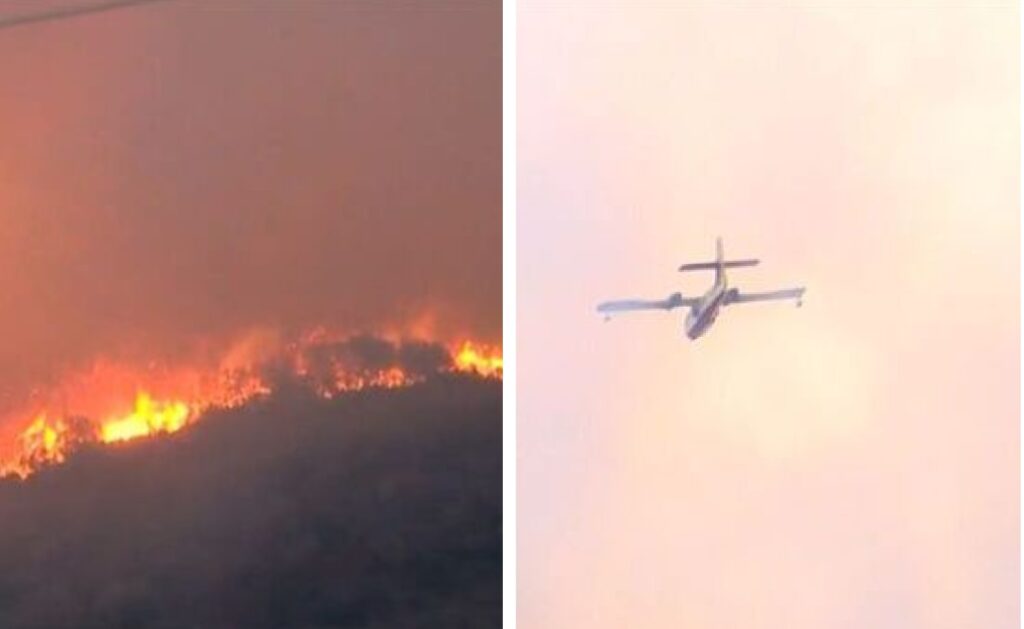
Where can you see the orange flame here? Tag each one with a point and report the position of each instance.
(174, 398)
(482, 359)
(43, 440)
(148, 418)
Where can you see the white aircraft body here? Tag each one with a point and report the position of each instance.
(704, 310)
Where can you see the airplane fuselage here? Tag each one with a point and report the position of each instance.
(701, 316)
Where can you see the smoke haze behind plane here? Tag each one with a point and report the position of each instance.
(854, 463)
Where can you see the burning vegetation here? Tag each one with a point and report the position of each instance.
(113, 402)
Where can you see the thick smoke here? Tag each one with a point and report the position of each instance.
(380, 508)
(184, 171)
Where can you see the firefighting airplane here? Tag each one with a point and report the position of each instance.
(704, 310)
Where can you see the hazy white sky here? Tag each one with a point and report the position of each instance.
(851, 464)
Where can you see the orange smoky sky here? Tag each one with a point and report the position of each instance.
(853, 463)
(182, 171)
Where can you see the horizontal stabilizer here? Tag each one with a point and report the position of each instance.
(711, 266)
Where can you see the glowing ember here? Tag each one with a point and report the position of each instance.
(166, 400)
(386, 379)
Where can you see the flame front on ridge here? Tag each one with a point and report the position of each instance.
(165, 402)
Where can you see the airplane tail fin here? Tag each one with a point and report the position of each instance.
(719, 261)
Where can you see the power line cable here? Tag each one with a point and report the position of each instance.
(69, 12)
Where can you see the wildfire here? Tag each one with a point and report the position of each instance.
(116, 404)
(44, 440)
(482, 359)
(148, 418)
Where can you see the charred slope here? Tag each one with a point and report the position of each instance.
(376, 509)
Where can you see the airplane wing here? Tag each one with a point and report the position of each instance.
(675, 300)
(736, 297)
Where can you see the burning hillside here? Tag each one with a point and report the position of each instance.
(113, 402)
(189, 193)
(377, 508)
